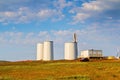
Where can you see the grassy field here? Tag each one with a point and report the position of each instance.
(60, 70)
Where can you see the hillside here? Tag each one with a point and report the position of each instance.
(60, 70)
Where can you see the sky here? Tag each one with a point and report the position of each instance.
(24, 23)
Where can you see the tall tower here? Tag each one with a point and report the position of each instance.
(45, 51)
(118, 54)
(74, 38)
(48, 51)
(70, 49)
(39, 51)
(75, 43)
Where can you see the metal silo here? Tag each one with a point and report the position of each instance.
(71, 51)
(48, 50)
(39, 51)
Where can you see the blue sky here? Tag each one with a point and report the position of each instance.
(24, 23)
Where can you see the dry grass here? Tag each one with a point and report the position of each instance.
(60, 70)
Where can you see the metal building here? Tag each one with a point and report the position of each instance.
(39, 51)
(91, 53)
(48, 50)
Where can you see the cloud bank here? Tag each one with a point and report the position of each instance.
(56, 10)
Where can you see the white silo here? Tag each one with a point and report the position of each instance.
(70, 51)
(48, 50)
(39, 51)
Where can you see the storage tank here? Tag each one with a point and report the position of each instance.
(70, 51)
(48, 50)
(39, 51)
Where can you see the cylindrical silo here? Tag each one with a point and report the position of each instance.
(48, 50)
(39, 51)
(70, 51)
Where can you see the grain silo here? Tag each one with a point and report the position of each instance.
(48, 50)
(39, 51)
(70, 49)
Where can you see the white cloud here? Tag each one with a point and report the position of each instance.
(80, 17)
(100, 5)
(25, 15)
(46, 13)
(9, 14)
(22, 15)
(57, 9)
(94, 5)
(96, 9)
(93, 32)
(50, 13)
(61, 4)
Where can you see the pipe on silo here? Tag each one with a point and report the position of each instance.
(39, 51)
(70, 51)
(48, 50)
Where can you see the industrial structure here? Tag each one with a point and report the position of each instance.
(48, 50)
(91, 54)
(45, 51)
(39, 51)
(118, 54)
(70, 49)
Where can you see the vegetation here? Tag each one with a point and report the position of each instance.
(60, 70)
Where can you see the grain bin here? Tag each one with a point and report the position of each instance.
(48, 50)
(70, 50)
(39, 51)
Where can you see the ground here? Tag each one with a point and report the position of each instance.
(60, 70)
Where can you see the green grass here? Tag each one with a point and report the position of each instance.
(60, 70)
